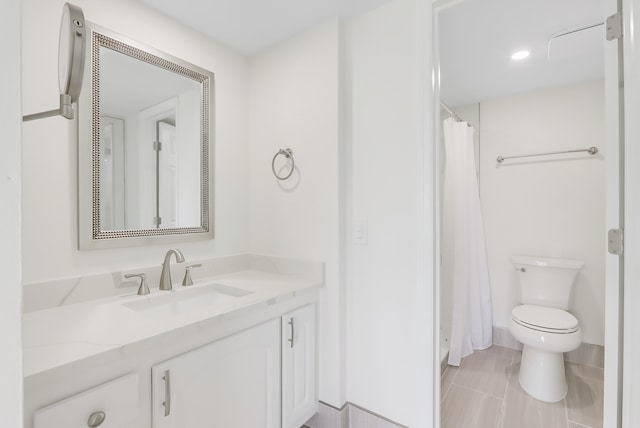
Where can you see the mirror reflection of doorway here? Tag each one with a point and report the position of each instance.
(112, 183)
(166, 175)
(156, 153)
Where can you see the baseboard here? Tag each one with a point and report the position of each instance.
(329, 417)
(444, 363)
(349, 416)
(587, 354)
(359, 417)
(502, 337)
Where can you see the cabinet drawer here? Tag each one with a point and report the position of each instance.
(118, 400)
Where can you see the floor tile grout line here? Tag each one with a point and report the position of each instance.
(501, 401)
(586, 380)
(503, 411)
(490, 356)
(566, 410)
(455, 375)
(481, 392)
(578, 423)
(443, 394)
(476, 391)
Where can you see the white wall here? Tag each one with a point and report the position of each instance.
(10, 183)
(471, 114)
(49, 170)
(295, 101)
(550, 206)
(294, 104)
(390, 279)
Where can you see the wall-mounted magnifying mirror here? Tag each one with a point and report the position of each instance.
(144, 146)
(71, 54)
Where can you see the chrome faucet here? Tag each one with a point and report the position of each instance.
(165, 276)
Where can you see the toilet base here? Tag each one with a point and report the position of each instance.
(542, 374)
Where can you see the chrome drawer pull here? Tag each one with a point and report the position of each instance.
(292, 331)
(167, 393)
(96, 419)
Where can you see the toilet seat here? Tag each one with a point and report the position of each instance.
(544, 319)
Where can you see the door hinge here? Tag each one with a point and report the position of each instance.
(616, 242)
(157, 146)
(157, 221)
(614, 26)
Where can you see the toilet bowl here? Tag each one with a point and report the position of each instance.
(543, 325)
(545, 333)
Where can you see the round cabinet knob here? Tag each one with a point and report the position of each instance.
(96, 419)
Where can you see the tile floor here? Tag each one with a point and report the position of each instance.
(484, 393)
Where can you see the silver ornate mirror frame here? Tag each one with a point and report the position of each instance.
(90, 235)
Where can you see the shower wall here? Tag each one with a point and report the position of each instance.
(551, 205)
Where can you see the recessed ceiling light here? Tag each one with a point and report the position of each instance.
(520, 55)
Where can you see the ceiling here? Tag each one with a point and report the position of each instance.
(250, 26)
(477, 37)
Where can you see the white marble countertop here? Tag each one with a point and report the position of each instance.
(97, 329)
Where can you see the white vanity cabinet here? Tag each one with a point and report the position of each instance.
(254, 367)
(264, 376)
(233, 382)
(298, 366)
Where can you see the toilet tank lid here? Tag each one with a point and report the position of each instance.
(555, 262)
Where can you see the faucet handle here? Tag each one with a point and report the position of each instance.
(144, 288)
(187, 274)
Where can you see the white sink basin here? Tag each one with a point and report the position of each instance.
(185, 301)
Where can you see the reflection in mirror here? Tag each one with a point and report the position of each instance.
(112, 175)
(150, 145)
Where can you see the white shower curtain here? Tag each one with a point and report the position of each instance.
(464, 255)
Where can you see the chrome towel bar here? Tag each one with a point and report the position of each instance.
(590, 150)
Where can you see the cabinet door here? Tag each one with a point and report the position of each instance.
(234, 382)
(298, 367)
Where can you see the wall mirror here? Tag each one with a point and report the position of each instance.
(145, 146)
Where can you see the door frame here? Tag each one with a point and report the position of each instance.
(631, 192)
(615, 195)
(614, 219)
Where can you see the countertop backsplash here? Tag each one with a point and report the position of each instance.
(65, 291)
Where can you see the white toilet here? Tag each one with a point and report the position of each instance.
(543, 325)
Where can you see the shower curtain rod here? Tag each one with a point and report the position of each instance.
(451, 112)
(590, 150)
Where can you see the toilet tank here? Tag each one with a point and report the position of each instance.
(546, 281)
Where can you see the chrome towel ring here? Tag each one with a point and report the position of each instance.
(288, 153)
